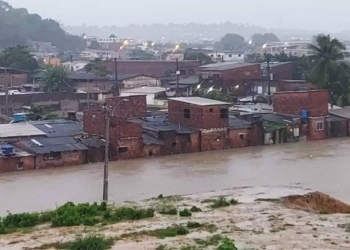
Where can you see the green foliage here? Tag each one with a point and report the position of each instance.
(185, 213)
(193, 224)
(89, 242)
(234, 202)
(347, 229)
(221, 202)
(97, 67)
(18, 27)
(2, 229)
(55, 79)
(227, 244)
(201, 57)
(232, 42)
(168, 232)
(261, 39)
(129, 213)
(18, 58)
(195, 209)
(168, 210)
(21, 220)
(210, 241)
(39, 113)
(214, 95)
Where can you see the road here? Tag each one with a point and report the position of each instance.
(318, 165)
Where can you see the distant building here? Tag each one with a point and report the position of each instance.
(226, 56)
(294, 48)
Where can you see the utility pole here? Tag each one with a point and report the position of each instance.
(109, 114)
(105, 167)
(269, 78)
(6, 94)
(88, 90)
(177, 78)
(71, 63)
(116, 90)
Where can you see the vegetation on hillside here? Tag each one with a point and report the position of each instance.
(18, 58)
(18, 27)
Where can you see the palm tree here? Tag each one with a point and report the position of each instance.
(325, 58)
(98, 67)
(55, 79)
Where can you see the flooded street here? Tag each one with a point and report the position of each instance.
(319, 165)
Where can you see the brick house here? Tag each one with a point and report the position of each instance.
(19, 160)
(125, 137)
(154, 68)
(314, 105)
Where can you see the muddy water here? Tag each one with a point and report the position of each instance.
(323, 166)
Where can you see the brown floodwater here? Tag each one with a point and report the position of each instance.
(318, 165)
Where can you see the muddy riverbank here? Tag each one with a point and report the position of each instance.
(265, 223)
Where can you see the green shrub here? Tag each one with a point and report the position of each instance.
(2, 229)
(129, 213)
(195, 209)
(234, 202)
(90, 242)
(46, 216)
(221, 202)
(103, 206)
(21, 220)
(160, 196)
(168, 232)
(185, 213)
(347, 229)
(193, 224)
(168, 210)
(227, 244)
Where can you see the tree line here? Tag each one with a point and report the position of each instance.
(18, 27)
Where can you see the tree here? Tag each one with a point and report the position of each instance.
(18, 27)
(201, 57)
(261, 39)
(55, 79)
(325, 57)
(254, 58)
(38, 113)
(18, 58)
(232, 42)
(97, 67)
(141, 55)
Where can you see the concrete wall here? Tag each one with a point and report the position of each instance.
(202, 117)
(139, 81)
(292, 103)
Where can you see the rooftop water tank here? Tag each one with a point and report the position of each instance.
(304, 114)
(7, 149)
(19, 117)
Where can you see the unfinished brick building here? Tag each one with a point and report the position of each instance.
(311, 106)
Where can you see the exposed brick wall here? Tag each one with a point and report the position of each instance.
(234, 138)
(134, 151)
(95, 155)
(294, 86)
(203, 117)
(214, 140)
(315, 134)
(9, 164)
(292, 103)
(136, 107)
(256, 135)
(67, 159)
(13, 79)
(153, 68)
(282, 71)
(152, 150)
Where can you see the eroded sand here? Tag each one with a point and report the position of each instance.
(252, 224)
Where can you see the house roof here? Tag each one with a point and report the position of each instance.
(19, 130)
(122, 77)
(344, 112)
(48, 145)
(150, 140)
(199, 101)
(93, 142)
(225, 66)
(161, 123)
(236, 123)
(144, 90)
(274, 64)
(187, 81)
(59, 128)
(78, 75)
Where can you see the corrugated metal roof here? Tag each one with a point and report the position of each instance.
(225, 66)
(199, 101)
(47, 145)
(187, 81)
(344, 112)
(150, 140)
(19, 130)
(59, 128)
(93, 142)
(236, 123)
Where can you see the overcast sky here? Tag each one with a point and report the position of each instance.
(327, 15)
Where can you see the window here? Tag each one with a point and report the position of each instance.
(187, 113)
(211, 110)
(20, 166)
(182, 72)
(319, 126)
(224, 113)
(52, 156)
(242, 136)
(122, 150)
